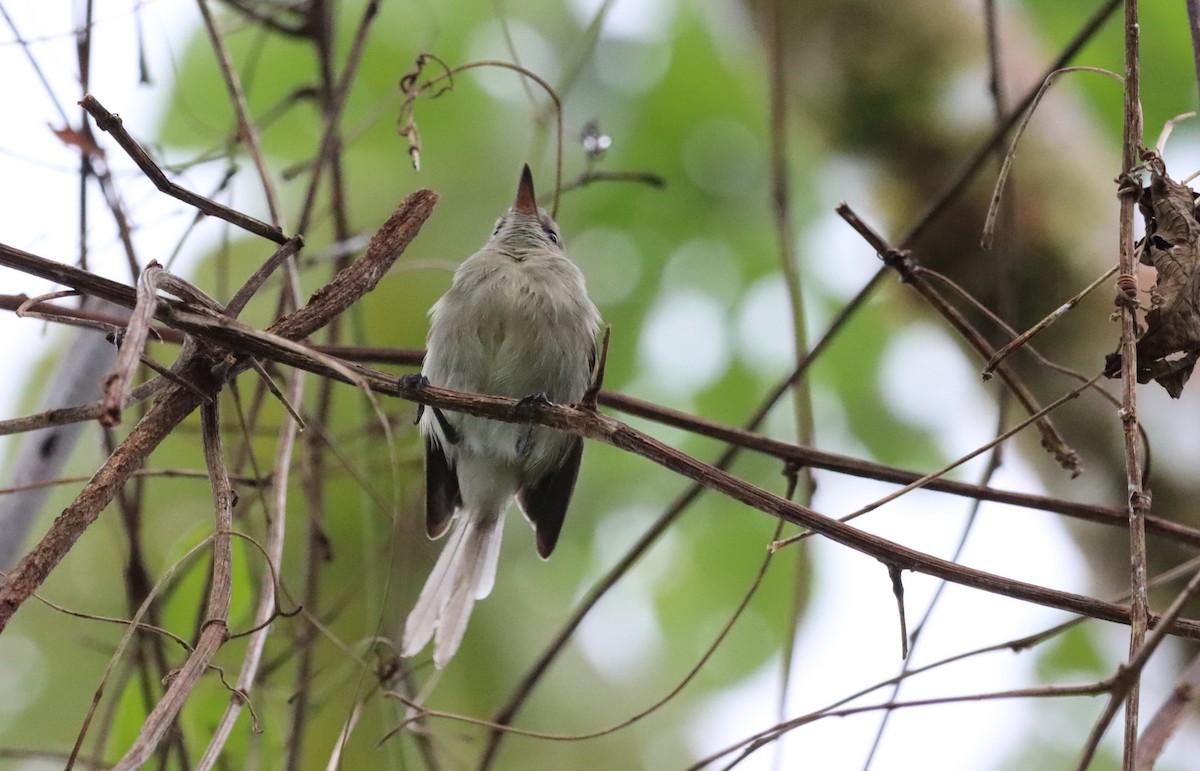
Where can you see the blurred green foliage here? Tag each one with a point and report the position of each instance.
(685, 99)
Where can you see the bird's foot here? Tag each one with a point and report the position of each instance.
(529, 405)
(418, 382)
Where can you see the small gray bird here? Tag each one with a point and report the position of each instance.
(517, 322)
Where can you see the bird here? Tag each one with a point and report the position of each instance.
(517, 322)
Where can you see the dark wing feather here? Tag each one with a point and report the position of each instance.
(442, 495)
(545, 501)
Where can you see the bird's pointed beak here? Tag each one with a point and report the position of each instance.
(526, 202)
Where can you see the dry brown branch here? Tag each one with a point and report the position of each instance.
(901, 262)
(177, 403)
(329, 150)
(1139, 498)
(247, 131)
(63, 415)
(785, 232)
(595, 426)
(287, 249)
(1126, 682)
(918, 484)
(268, 602)
(116, 382)
(598, 427)
(216, 625)
(1166, 721)
(844, 464)
(111, 122)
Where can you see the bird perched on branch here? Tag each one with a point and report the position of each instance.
(517, 322)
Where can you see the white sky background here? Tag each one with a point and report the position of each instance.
(848, 637)
(41, 197)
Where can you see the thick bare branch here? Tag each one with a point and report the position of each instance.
(216, 624)
(177, 403)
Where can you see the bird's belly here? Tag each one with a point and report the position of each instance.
(512, 342)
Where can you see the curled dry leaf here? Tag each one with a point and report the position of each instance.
(80, 139)
(1168, 348)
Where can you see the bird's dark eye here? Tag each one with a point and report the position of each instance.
(552, 236)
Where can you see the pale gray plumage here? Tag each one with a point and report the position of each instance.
(517, 322)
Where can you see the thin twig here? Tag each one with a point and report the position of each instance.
(133, 625)
(989, 225)
(116, 382)
(246, 130)
(926, 479)
(330, 147)
(785, 232)
(1139, 498)
(267, 601)
(111, 123)
(1127, 679)
(216, 625)
(773, 733)
(1022, 339)
(954, 188)
(1170, 715)
(413, 90)
(346, 288)
(1017, 645)
(993, 464)
(901, 262)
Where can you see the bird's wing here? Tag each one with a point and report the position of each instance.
(545, 501)
(442, 495)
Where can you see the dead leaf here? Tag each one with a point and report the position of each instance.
(79, 139)
(1168, 349)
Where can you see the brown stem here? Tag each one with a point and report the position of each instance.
(201, 370)
(1139, 499)
(901, 261)
(111, 122)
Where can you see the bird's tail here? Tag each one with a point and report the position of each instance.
(465, 571)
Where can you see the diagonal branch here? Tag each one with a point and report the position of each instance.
(901, 262)
(111, 122)
(116, 382)
(605, 429)
(216, 625)
(268, 602)
(200, 369)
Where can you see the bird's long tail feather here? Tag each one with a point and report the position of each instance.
(465, 572)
